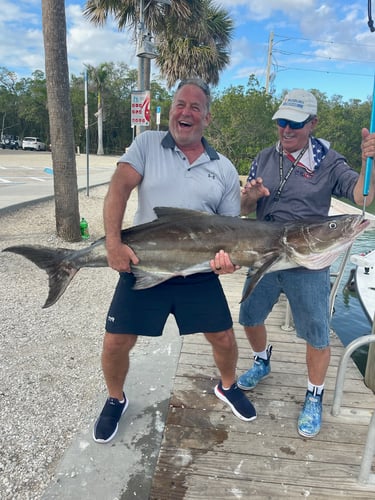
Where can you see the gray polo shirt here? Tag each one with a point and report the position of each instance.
(210, 184)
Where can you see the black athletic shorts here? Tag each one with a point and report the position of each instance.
(197, 302)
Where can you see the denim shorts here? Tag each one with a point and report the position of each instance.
(197, 302)
(308, 294)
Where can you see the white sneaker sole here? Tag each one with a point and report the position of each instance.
(104, 441)
(225, 400)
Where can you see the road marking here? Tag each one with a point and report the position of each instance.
(5, 181)
(37, 179)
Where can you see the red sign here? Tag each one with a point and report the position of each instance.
(140, 108)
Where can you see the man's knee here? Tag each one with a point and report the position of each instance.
(223, 340)
(114, 342)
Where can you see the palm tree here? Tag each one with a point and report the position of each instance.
(61, 120)
(99, 75)
(198, 47)
(192, 35)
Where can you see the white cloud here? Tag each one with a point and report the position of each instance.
(88, 44)
(21, 42)
(260, 10)
(301, 28)
(22, 47)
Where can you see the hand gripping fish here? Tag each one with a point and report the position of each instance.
(181, 242)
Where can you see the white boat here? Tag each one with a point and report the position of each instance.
(365, 281)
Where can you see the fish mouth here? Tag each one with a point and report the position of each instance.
(364, 223)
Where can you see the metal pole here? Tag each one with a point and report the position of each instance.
(269, 61)
(141, 61)
(87, 136)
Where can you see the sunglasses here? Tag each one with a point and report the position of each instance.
(293, 125)
(195, 81)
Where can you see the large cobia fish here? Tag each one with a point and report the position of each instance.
(181, 242)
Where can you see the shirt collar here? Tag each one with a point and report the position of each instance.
(169, 142)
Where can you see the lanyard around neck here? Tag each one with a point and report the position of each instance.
(289, 173)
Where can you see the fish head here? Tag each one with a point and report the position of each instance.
(317, 243)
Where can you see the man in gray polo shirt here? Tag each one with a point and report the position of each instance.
(176, 169)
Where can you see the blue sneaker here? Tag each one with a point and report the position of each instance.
(259, 371)
(237, 401)
(106, 426)
(310, 418)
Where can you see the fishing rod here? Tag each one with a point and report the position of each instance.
(369, 161)
(370, 19)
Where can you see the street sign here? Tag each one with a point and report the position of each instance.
(140, 108)
(158, 112)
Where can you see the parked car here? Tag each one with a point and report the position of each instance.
(10, 142)
(33, 143)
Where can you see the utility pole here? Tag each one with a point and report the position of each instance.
(269, 62)
(141, 61)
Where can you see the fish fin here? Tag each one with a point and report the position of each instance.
(182, 212)
(56, 263)
(259, 275)
(145, 279)
(148, 279)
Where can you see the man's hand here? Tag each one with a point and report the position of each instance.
(222, 264)
(250, 194)
(120, 257)
(255, 188)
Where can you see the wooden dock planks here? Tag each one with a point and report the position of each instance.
(207, 453)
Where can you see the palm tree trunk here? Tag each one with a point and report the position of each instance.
(61, 120)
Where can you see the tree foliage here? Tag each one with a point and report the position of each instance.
(241, 115)
(192, 36)
(198, 47)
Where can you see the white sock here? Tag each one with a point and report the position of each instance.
(262, 354)
(315, 389)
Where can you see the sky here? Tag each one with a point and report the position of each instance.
(323, 45)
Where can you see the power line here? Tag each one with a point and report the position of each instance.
(281, 67)
(330, 42)
(288, 53)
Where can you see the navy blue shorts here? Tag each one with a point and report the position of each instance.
(197, 302)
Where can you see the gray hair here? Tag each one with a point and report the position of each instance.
(198, 82)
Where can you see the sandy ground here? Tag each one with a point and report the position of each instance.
(50, 358)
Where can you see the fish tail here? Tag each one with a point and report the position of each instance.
(57, 264)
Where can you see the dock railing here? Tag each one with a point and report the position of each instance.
(365, 475)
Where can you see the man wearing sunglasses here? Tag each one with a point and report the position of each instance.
(295, 179)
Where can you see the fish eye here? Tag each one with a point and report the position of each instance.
(332, 225)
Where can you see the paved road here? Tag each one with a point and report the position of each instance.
(28, 175)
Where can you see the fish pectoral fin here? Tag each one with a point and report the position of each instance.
(256, 277)
(146, 279)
